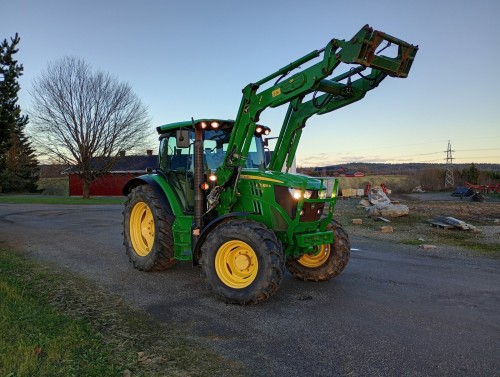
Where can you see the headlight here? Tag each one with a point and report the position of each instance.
(297, 193)
(322, 194)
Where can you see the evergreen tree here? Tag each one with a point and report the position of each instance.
(18, 164)
(21, 166)
(471, 174)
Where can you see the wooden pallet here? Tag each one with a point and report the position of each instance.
(441, 225)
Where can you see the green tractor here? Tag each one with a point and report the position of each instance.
(217, 200)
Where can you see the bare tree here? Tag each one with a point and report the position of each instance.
(85, 117)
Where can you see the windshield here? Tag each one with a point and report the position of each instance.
(216, 142)
(215, 146)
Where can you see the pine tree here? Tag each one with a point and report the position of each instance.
(21, 166)
(471, 174)
(18, 164)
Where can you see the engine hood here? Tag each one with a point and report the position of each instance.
(284, 179)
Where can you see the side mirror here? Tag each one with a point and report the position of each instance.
(182, 139)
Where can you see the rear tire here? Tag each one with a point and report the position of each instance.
(242, 261)
(147, 232)
(328, 263)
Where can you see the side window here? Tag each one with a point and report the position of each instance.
(164, 154)
(173, 158)
(177, 167)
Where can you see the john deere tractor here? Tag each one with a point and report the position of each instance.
(215, 198)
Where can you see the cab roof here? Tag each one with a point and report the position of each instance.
(189, 124)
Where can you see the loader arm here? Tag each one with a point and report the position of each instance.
(360, 50)
(299, 112)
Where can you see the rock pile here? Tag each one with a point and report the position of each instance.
(379, 204)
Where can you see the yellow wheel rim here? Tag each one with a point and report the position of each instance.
(236, 264)
(142, 229)
(315, 260)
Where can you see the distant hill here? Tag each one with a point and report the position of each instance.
(391, 169)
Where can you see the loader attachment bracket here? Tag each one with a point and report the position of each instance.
(368, 55)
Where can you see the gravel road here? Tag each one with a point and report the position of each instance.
(395, 311)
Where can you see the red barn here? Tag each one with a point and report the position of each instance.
(111, 184)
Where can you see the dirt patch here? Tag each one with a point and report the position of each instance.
(485, 213)
(415, 228)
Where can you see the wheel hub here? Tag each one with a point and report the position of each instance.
(317, 259)
(242, 262)
(142, 228)
(236, 264)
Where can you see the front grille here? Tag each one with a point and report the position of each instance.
(311, 211)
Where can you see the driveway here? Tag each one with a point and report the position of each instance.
(395, 310)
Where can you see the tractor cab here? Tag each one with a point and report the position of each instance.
(176, 154)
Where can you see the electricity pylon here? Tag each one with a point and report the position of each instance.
(449, 181)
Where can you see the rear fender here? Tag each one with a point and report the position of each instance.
(160, 194)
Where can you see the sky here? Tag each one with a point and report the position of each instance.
(192, 58)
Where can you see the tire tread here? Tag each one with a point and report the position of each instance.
(161, 256)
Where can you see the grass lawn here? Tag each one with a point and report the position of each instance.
(53, 323)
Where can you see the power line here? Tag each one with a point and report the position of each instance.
(433, 153)
(475, 150)
(382, 147)
(474, 158)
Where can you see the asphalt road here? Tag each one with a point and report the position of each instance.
(395, 311)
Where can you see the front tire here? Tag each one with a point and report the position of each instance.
(147, 231)
(329, 262)
(242, 261)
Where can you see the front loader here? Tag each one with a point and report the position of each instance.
(216, 200)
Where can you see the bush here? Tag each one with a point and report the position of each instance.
(54, 186)
(470, 175)
(432, 179)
